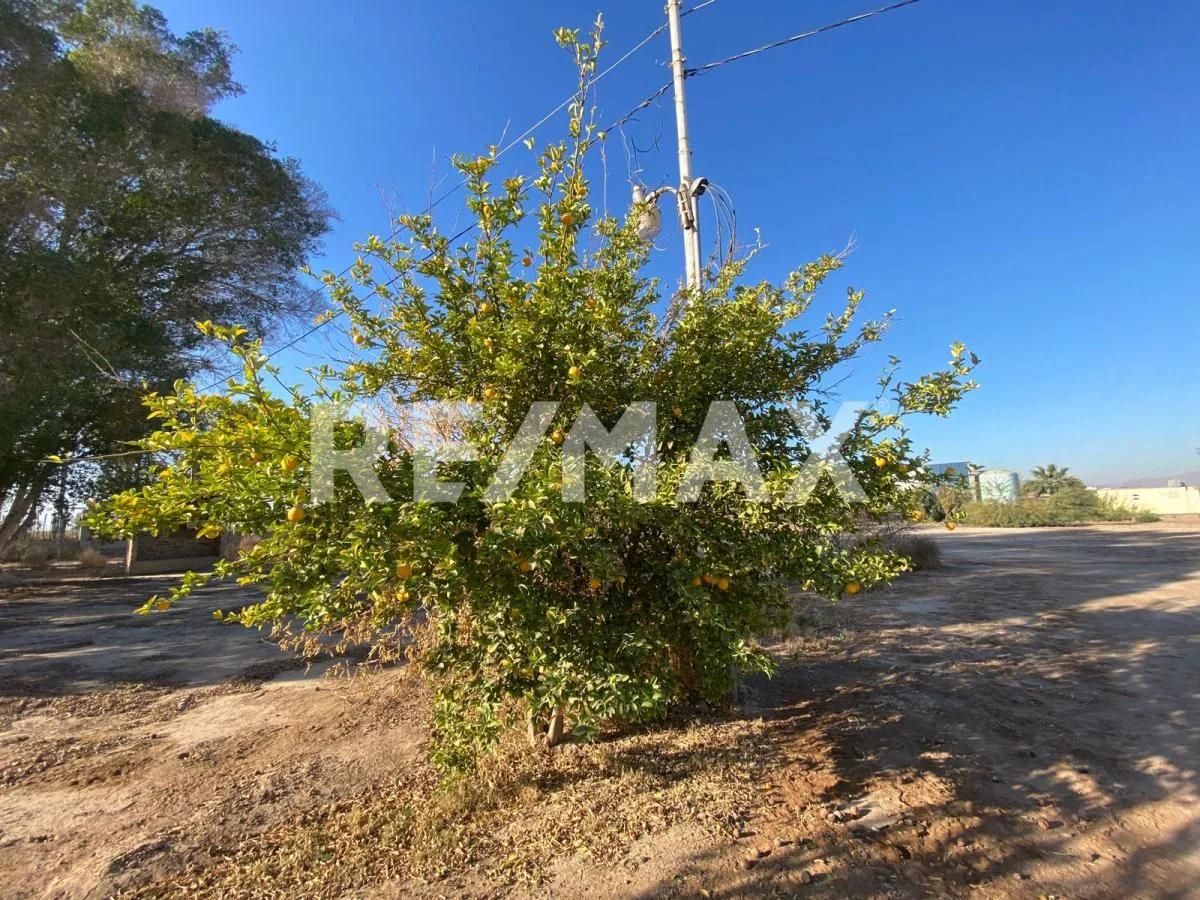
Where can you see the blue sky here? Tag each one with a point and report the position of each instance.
(1019, 175)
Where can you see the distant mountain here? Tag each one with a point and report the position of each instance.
(1189, 477)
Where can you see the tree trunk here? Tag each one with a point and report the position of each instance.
(546, 731)
(681, 663)
(20, 512)
(554, 733)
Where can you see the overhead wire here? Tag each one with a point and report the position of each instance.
(708, 67)
(723, 204)
(617, 123)
(461, 184)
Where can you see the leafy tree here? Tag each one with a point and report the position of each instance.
(531, 606)
(1051, 479)
(126, 213)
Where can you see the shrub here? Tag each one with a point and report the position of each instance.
(1026, 514)
(36, 556)
(1075, 503)
(93, 560)
(1069, 505)
(945, 499)
(528, 606)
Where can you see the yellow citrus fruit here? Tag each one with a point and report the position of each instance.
(697, 581)
(558, 437)
(485, 308)
(880, 461)
(950, 526)
(567, 219)
(594, 584)
(490, 393)
(162, 605)
(574, 372)
(525, 566)
(677, 411)
(295, 514)
(722, 584)
(290, 464)
(918, 516)
(404, 570)
(853, 587)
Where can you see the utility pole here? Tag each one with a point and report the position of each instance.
(688, 208)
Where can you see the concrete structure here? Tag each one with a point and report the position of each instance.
(1164, 501)
(986, 485)
(179, 551)
(998, 486)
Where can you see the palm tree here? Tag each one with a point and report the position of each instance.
(1048, 480)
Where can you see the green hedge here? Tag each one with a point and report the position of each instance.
(1069, 506)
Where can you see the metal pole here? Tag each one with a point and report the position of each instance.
(687, 202)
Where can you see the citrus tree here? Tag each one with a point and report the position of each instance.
(530, 606)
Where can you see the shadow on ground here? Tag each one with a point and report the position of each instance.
(84, 636)
(1025, 721)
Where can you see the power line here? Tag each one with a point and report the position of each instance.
(700, 70)
(460, 185)
(567, 102)
(642, 105)
(615, 124)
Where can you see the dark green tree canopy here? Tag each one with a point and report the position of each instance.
(126, 213)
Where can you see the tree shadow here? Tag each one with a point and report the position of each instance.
(1023, 722)
(84, 636)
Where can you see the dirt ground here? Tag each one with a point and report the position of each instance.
(1023, 722)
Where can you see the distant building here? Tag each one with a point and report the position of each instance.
(957, 470)
(987, 485)
(1181, 500)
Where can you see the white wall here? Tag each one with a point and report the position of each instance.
(1166, 501)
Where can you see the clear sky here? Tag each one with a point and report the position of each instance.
(1020, 175)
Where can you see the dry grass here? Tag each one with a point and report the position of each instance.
(36, 557)
(508, 822)
(93, 561)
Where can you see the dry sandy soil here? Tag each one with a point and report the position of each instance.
(1024, 722)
